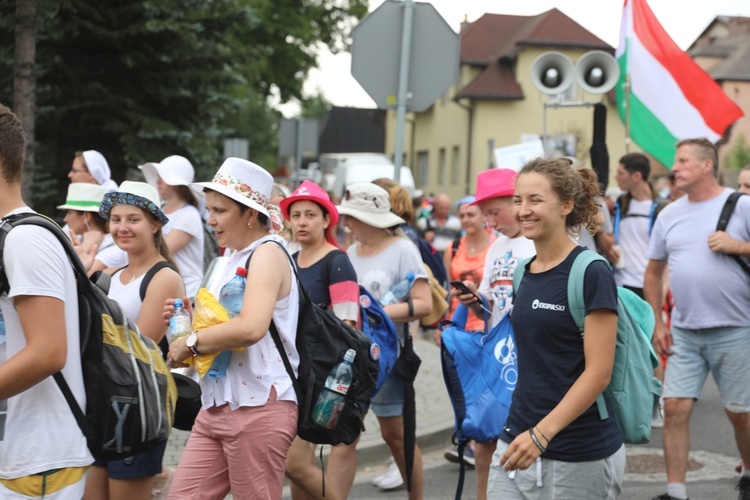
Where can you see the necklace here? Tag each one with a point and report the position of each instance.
(135, 276)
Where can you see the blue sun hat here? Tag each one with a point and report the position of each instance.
(138, 194)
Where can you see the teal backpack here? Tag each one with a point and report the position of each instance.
(633, 391)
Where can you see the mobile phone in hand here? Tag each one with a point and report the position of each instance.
(464, 289)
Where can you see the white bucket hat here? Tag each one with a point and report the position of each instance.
(246, 183)
(84, 197)
(174, 170)
(370, 204)
(99, 169)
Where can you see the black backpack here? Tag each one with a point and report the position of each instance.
(322, 341)
(130, 394)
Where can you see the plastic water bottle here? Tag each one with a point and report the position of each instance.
(179, 322)
(330, 403)
(398, 292)
(230, 297)
(231, 294)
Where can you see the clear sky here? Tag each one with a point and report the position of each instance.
(684, 20)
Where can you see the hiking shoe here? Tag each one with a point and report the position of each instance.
(744, 488)
(392, 479)
(452, 456)
(666, 497)
(738, 469)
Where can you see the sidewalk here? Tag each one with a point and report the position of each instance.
(434, 414)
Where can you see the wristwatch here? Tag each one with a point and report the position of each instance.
(191, 340)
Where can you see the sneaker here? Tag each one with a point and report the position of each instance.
(388, 471)
(392, 478)
(657, 418)
(452, 456)
(161, 493)
(738, 469)
(744, 488)
(666, 497)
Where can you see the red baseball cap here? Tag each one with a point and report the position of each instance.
(310, 191)
(495, 183)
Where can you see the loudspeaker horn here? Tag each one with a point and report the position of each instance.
(597, 72)
(552, 73)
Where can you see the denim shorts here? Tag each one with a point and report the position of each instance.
(725, 351)
(389, 401)
(144, 464)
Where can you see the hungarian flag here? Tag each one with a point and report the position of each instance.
(671, 97)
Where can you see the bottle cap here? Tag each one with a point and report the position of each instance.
(410, 276)
(177, 303)
(241, 271)
(350, 355)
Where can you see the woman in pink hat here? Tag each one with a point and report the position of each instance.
(495, 188)
(248, 418)
(329, 278)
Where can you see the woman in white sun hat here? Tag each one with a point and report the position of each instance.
(184, 232)
(241, 436)
(135, 223)
(382, 257)
(83, 219)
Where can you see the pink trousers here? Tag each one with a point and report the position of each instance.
(242, 451)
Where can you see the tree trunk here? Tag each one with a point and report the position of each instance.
(24, 85)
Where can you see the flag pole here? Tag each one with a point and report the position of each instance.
(626, 88)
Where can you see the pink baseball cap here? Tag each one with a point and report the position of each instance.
(495, 183)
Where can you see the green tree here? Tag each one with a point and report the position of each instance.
(739, 156)
(142, 79)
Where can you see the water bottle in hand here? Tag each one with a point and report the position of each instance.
(230, 297)
(398, 292)
(179, 322)
(330, 403)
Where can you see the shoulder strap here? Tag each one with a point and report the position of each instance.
(518, 273)
(726, 214)
(577, 303)
(150, 275)
(272, 327)
(36, 219)
(576, 300)
(456, 244)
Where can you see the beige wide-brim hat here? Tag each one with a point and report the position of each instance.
(242, 181)
(370, 204)
(84, 197)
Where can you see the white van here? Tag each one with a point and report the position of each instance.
(342, 169)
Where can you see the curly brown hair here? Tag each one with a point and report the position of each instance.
(569, 183)
(12, 145)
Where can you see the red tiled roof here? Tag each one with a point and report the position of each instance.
(495, 82)
(494, 40)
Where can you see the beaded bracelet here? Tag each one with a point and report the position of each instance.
(536, 440)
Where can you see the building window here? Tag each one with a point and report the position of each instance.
(442, 167)
(456, 165)
(422, 168)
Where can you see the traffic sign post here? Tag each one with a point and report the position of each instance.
(417, 70)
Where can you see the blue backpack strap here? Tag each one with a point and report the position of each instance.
(577, 303)
(518, 273)
(616, 221)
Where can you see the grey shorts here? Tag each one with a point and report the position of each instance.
(724, 351)
(556, 480)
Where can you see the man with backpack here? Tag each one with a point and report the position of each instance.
(43, 452)
(710, 328)
(635, 213)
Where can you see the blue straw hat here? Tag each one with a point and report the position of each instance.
(138, 194)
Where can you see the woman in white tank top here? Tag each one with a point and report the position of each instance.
(135, 223)
(249, 416)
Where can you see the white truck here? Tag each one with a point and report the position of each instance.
(342, 169)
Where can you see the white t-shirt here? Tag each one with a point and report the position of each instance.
(444, 234)
(37, 429)
(189, 259)
(633, 240)
(110, 254)
(499, 267)
(710, 289)
(128, 295)
(253, 371)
